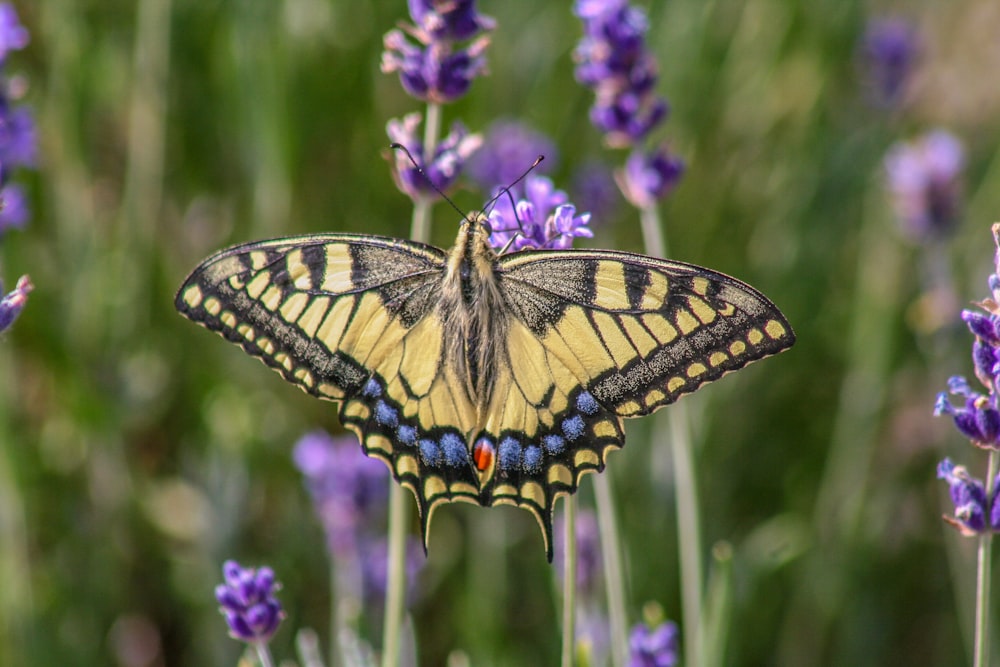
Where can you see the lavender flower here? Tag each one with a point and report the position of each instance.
(543, 219)
(18, 136)
(455, 20)
(14, 211)
(375, 568)
(13, 35)
(968, 494)
(434, 69)
(348, 489)
(594, 189)
(510, 148)
(978, 419)
(440, 173)
(889, 50)
(653, 647)
(12, 304)
(588, 550)
(924, 180)
(612, 60)
(248, 603)
(648, 177)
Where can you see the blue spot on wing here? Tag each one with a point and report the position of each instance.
(430, 453)
(553, 444)
(573, 427)
(587, 404)
(372, 388)
(406, 434)
(455, 453)
(385, 414)
(532, 459)
(509, 454)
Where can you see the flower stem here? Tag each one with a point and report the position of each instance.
(614, 580)
(688, 523)
(569, 582)
(264, 654)
(420, 230)
(982, 640)
(396, 577)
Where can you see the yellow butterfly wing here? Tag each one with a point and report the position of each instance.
(595, 336)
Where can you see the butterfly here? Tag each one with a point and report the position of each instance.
(495, 379)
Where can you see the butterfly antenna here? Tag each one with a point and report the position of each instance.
(506, 189)
(420, 170)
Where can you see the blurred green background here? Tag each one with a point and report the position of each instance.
(139, 451)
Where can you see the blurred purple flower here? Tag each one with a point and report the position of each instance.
(349, 490)
(248, 603)
(924, 178)
(588, 550)
(450, 156)
(13, 303)
(544, 218)
(612, 59)
(13, 35)
(14, 211)
(654, 647)
(434, 69)
(890, 49)
(509, 149)
(968, 494)
(455, 20)
(375, 561)
(594, 190)
(18, 138)
(648, 177)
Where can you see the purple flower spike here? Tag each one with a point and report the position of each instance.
(14, 211)
(247, 601)
(509, 149)
(588, 551)
(924, 178)
(13, 35)
(13, 303)
(445, 166)
(978, 420)
(434, 69)
(612, 59)
(890, 50)
(657, 647)
(455, 20)
(348, 489)
(543, 219)
(969, 497)
(648, 177)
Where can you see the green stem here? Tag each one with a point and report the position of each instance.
(420, 230)
(393, 620)
(613, 577)
(264, 654)
(681, 446)
(981, 655)
(569, 582)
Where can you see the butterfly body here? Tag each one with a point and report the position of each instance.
(479, 377)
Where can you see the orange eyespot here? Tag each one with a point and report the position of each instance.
(482, 454)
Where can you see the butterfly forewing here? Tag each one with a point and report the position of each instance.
(636, 331)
